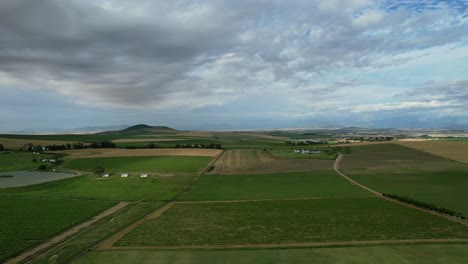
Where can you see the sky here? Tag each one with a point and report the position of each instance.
(244, 64)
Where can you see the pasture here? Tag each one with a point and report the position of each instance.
(15, 161)
(280, 221)
(26, 222)
(387, 254)
(113, 188)
(156, 164)
(272, 186)
(243, 161)
(412, 173)
(288, 152)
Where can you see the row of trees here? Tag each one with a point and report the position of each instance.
(425, 205)
(76, 145)
(209, 146)
(148, 146)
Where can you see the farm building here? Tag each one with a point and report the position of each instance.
(144, 175)
(307, 151)
(124, 175)
(105, 175)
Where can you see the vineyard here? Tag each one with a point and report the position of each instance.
(26, 222)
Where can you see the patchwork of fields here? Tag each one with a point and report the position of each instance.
(247, 199)
(409, 172)
(156, 164)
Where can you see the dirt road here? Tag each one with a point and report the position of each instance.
(65, 235)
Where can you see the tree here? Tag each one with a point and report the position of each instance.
(2, 147)
(151, 146)
(42, 167)
(98, 170)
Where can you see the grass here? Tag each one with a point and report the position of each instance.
(272, 186)
(156, 164)
(14, 161)
(412, 173)
(269, 222)
(89, 238)
(326, 153)
(443, 188)
(26, 222)
(112, 188)
(404, 254)
(373, 148)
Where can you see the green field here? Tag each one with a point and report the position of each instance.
(89, 238)
(26, 222)
(272, 186)
(14, 161)
(279, 221)
(375, 148)
(412, 173)
(390, 254)
(112, 188)
(326, 153)
(156, 164)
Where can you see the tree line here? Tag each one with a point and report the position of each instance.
(425, 205)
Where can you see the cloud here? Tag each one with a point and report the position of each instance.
(410, 105)
(194, 54)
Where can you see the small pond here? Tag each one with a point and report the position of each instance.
(24, 178)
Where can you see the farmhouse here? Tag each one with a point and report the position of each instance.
(124, 175)
(144, 175)
(105, 175)
(307, 151)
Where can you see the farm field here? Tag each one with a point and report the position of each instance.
(113, 188)
(15, 161)
(26, 222)
(388, 254)
(156, 164)
(272, 186)
(107, 153)
(288, 152)
(267, 222)
(452, 150)
(412, 173)
(12, 143)
(242, 161)
(89, 238)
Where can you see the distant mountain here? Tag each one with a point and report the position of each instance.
(141, 129)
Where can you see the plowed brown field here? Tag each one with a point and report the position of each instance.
(457, 151)
(255, 161)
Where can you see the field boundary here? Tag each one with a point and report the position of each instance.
(108, 243)
(62, 237)
(292, 245)
(380, 195)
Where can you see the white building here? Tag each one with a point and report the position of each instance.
(124, 175)
(144, 175)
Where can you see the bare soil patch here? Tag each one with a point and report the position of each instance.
(103, 153)
(457, 151)
(196, 134)
(241, 161)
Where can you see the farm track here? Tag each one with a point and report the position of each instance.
(106, 244)
(336, 166)
(297, 244)
(62, 237)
